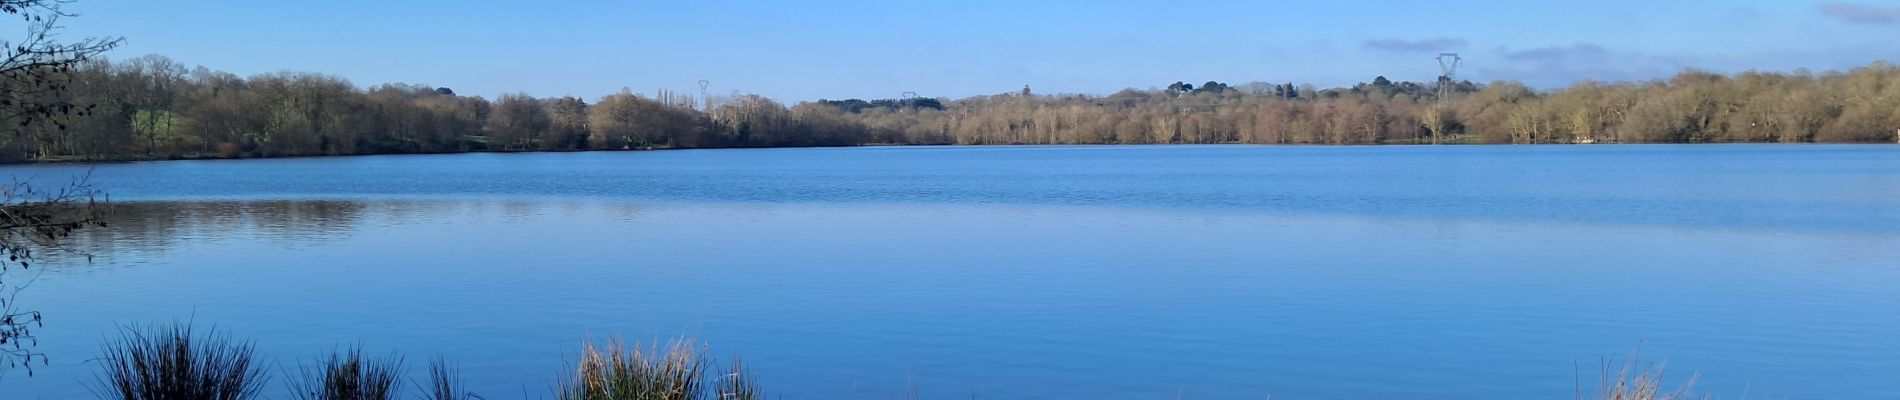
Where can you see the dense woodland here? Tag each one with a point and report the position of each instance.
(152, 107)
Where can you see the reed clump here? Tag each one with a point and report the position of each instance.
(676, 370)
(349, 375)
(163, 362)
(445, 383)
(1632, 379)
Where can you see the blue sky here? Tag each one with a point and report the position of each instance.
(872, 49)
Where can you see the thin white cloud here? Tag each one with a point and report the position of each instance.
(1574, 52)
(1415, 46)
(1865, 14)
(1558, 66)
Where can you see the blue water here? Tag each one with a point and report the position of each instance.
(1202, 272)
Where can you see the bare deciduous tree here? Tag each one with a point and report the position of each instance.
(31, 222)
(153, 109)
(36, 72)
(36, 69)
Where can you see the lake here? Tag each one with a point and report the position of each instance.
(1159, 272)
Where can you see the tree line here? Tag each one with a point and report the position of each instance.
(153, 107)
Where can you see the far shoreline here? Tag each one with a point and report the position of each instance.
(207, 157)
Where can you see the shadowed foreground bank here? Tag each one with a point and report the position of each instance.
(178, 362)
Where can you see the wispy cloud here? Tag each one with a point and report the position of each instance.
(1865, 14)
(1558, 66)
(1574, 52)
(1415, 46)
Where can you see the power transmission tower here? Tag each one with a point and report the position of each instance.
(1448, 63)
(703, 96)
(1447, 85)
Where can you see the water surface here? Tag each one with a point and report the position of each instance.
(1028, 272)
